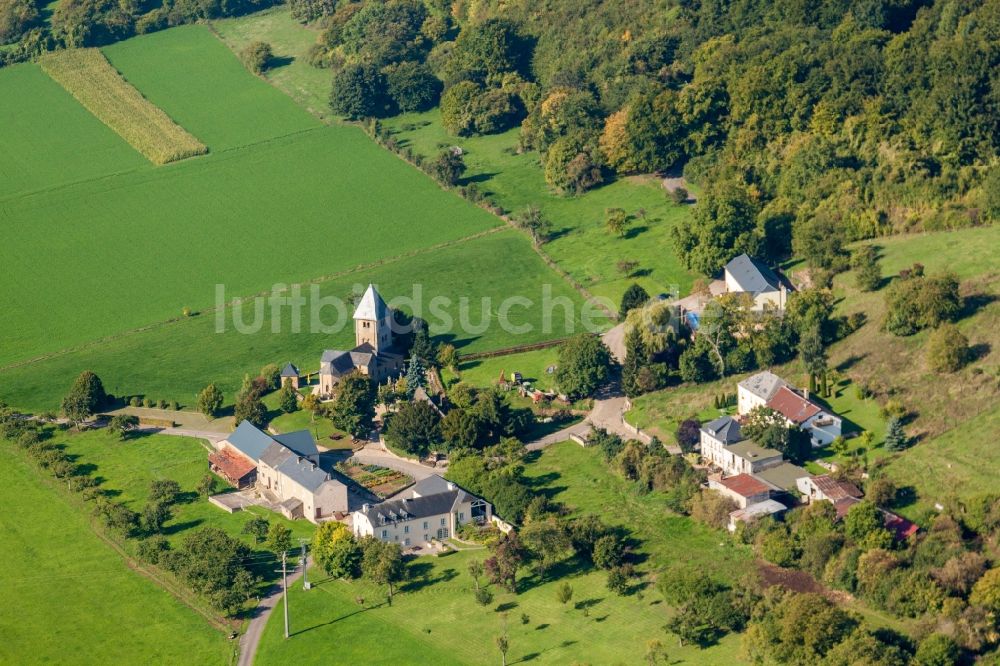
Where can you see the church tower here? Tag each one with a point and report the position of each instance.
(373, 321)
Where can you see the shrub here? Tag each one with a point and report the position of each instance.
(256, 56)
(147, 402)
(619, 578)
(448, 167)
(947, 349)
(679, 195)
(135, 401)
(162, 404)
(483, 596)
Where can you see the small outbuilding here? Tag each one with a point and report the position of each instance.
(290, 375)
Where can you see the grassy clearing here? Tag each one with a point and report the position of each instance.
(190, 74)
(531, 365)
(87, 75)
(960, 463)
(70, 144)
(290, 40)
(436, 616)
(73, 599)
(174, 361)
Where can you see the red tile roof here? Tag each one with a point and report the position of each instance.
(792, 406)
(835, 490)
(745, 485)
(844, 505)
(900, 527)
(232, 465)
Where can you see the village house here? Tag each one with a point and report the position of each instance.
(723, 446)
(283, 468)
(431, 510)
(374, 353)
(742, 489)
(744, 274)
(766, 389)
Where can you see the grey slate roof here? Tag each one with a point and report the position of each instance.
(249, 440)
(371, 306)
(275, 454)
(300, 442)
(304, 473)
(432, 485)
(752, 275)
(339, 363)
(725, 429)
(289, 371)
(763, 384)
(416, 508)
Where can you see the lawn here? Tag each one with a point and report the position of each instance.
(175, 361)
(189, 73)
(532, 365)
(50, 140)
(436, 617)
(72, 599)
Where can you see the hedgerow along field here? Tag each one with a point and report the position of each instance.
(174, 361)
(595, 627)
(49, 140)
(581, 246)
(72, 599)
(87, 75)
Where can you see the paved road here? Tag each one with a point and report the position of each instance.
(255, 628)
(614, 339)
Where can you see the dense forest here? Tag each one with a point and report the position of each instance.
(808, 124)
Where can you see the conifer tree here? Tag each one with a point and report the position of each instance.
(895, 436)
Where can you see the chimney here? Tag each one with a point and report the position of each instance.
(365, 507)
(451, 486)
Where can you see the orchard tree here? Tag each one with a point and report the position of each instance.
(257, 56)
(502, 565)
(534, 223)
(867, 274)
(279, 539)
(584, 363)
(123, 424)
(210, 401)
(382, 563)
(257, 527)
(616, 220)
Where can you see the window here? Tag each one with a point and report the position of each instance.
(461, 516)
(385, 534)
(425, 538)
(425, 524)
(406, 542)
(444, 521)
(406, 530)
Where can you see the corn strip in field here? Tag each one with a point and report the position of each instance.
(88, 76)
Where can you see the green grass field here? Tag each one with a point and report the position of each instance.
(72, 599)
(175, 361)
(436, 618)
(532, 365)
(190, 74)
(50, 140)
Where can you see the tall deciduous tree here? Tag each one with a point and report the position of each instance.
(85, 397)
(415, 428)
(584, 363)
(354, 407)
(382, 563)
(724, 225)
(210, 400)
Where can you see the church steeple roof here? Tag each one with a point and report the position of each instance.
(371, 307)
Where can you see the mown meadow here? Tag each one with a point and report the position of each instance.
(70, 598)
